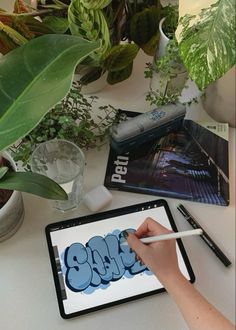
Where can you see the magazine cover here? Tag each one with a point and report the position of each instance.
(190, 164)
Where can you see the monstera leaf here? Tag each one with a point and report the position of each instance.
(34, 77)
(207, 42)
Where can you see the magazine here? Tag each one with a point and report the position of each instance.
(191, 164)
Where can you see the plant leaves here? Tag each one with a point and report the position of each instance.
(91, 75)
(15, 36)
(56, 24)
(98, 4)
(207, 47)
(19, 7)
(6, 43)
(120, 56)
(90, 24)
(151, 46)
(144, 25)
(117, 76)
(33, 183)
(34, 78)
(36, 27)
(3, 171)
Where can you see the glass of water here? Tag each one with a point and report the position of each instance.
(63, 162)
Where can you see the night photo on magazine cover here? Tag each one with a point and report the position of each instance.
(186, 164)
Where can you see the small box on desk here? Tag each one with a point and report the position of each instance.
(147, 126)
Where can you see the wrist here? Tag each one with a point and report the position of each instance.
(171, 279)
(177, 281)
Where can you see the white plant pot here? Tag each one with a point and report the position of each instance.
(160, 83)
(163, 41)
(93, 87)
(219, 100)
(12, 213)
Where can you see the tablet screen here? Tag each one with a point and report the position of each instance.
(93, 270)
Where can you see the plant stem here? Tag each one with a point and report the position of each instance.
(158, 5)
(117, 21)
(33, 13)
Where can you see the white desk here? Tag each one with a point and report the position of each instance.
(27, 295)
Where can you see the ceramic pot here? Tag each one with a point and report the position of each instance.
(12, 213)
(93, 87)
(219, 99)
(159, 82)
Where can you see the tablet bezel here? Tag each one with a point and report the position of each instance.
(102, 216)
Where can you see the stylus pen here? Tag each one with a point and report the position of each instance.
(206, 238)
(163, 237)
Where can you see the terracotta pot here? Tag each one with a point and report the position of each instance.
(219, 100)
(12, 213)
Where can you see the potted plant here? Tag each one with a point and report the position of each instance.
(34, 77)
(167, 73)
(123, 27)
(72, 119)
(206, 38)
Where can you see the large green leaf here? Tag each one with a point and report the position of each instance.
(33, 183)
(207, 44)
(34, 77)
(3, 171)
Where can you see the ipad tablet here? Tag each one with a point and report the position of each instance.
(92, 270)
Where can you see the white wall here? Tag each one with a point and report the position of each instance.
(7, 5)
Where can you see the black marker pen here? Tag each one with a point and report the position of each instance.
(206, 238)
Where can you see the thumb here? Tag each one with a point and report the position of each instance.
(136, 245)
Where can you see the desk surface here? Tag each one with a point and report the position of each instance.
(28, 299)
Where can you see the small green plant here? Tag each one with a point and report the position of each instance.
(170, 23)
(72, 119)
(164, 69)
(167, 67)
(122, 28)
(47, 64)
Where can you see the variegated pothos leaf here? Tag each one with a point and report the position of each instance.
(207, 44)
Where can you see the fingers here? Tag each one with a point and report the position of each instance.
(136, 245)
(151, 227)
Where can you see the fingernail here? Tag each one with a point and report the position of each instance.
(125, 234)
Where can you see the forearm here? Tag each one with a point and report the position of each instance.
(198, 313)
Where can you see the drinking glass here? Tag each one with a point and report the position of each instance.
(63, 162)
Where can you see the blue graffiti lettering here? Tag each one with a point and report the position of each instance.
(99, 262)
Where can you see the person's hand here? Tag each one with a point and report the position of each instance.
(159, 257)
